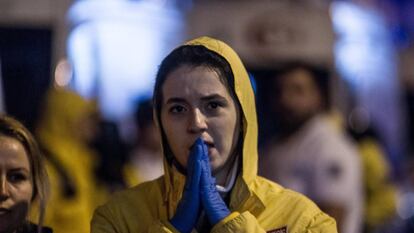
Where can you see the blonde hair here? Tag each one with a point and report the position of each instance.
(12, 128)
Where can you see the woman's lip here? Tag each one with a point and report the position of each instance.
(4, 211)
(210, 144)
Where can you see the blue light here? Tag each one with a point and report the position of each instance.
(366, 59)
(364, 47)
(116, 46)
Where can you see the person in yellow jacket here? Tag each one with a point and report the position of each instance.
(64, 129)
(205, 110)
(380, 191)
(145, 159)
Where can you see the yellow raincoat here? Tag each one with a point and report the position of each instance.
(381, 194)
(257, 205)
(69, 162)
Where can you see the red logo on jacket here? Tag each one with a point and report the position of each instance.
(279, 230)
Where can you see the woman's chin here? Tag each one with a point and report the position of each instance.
(216, 167)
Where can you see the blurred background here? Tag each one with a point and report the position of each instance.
(107, 53)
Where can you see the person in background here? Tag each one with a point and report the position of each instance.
(23, 179)
(205, 109)
(310, 154)
(113, 154)
(146, 160)
(380, 193)
(66, 129)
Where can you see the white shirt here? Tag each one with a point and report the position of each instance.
(321, 163)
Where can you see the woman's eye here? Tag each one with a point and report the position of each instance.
(177, 109)
(215, 105)
(17, 177)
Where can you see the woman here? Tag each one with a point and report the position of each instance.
(23, 179)
(146, 158)
(205, 109)
(65, 132)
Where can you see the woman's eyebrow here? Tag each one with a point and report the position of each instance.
(175, 100)
(213, 97)
(19, 169)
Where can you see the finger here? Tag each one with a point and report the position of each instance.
(205, 152)
(206, 160)
(193, 164)
(196, 175)
(194, 154)
(206, 180)
(199, 146)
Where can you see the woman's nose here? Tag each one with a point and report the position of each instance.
(4, 191)
(197, 122)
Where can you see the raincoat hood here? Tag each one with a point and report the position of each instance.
(61, 113)
(245, 96)
(70, 162)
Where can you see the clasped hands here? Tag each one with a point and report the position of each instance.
(199, 193)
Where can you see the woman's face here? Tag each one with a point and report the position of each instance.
(197, 104)
(16, 186)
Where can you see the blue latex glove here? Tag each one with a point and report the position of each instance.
(188, 209)
(214, 206)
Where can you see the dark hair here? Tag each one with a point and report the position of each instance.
(319, 75)
(143, 113)
(10, 127)
(194, 56)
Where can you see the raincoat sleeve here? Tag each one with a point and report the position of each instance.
(246, 222)
(237, 222)
(104, 222)
(322, 223)
(162, 226)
